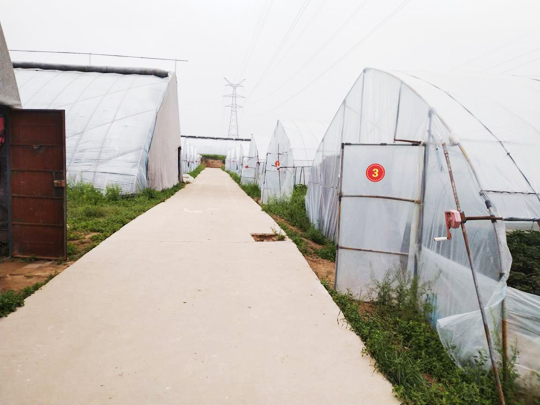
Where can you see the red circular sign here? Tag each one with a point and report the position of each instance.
(247, 166)
(277, 163)
(375, 172)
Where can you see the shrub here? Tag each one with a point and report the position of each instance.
(112, 193)
(92, 211)
(149, 193)
(84, 193)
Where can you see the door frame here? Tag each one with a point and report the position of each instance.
(9, 137)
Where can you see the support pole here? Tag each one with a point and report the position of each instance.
(233, 121)
(504, 331)
(473, 272)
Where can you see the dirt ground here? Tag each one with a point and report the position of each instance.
(213, 163)
(324, 269)
(17, 274)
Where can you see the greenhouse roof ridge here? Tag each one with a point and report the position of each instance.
(217, 138)
(96, 69)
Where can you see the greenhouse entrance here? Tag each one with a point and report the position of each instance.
(37, 184)
(380, 190)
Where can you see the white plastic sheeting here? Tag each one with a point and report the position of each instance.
(289, 157)
(215, 145)
(254, 160)
(235, 157)
(490, 126)
(9, 93)
(250, 166)
(111, 122)
(190, 158)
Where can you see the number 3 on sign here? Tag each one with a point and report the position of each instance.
(375, 172)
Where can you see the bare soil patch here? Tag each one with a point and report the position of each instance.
(17, 274)
(266, 237)
(324, 269)
(213, 163)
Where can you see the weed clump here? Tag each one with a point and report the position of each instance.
(407, 350)
(112, 192)
(251, 189)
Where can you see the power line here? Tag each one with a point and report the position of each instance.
(315, 14)
(369, 34)
(510, 60)
(282, 43)
(99, 54)
(523, 64)
(489, 52)
(314, 55)
(259, 27)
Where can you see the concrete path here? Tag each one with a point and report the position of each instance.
(182, 306)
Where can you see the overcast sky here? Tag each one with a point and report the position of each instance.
(299, 58)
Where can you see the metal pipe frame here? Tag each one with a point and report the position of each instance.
(475, 281)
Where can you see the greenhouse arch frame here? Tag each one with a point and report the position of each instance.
(480, 130)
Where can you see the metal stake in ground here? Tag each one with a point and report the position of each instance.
(473, 271)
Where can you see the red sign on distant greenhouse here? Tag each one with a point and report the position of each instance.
(375, 172)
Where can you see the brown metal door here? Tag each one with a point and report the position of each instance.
(37, 161)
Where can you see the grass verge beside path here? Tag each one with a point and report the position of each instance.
(251, 190)
(11, 300)
(93, 217)
(292, 217)
(409, 353)
(393, 327)
(197, 171)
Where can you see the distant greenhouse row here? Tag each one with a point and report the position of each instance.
(279, 163)
(407, 161)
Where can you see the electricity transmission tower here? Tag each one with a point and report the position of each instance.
(233, 122)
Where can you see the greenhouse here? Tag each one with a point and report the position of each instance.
(230, 160)
(289, 157)
(235, 157)
(207, 145)
(190, 158)
(122, 124)
(427, 173)
(254, 161)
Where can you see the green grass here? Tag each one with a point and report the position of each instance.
(215, 157)
(525, 271)
(293, 213)
(11, 300)
(197, 171)
(251, 190)
(409, 353)
(93, 216)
